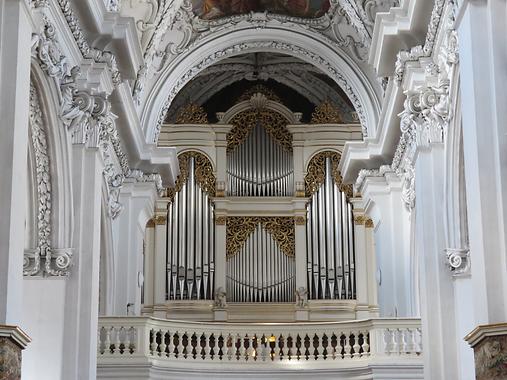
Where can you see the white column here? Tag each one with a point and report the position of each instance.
(436, 284)
(15, 38)
(138, 200)
(393, 253)
(160, 272)
(149, 266)
(82, 292)
(371, 270)
(482, 32)
(361, 261)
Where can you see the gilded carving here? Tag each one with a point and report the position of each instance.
(160, 220)
(326, 113)
(220, 220)
(240, 228)
(150, 223)
(316, 174)
(204, 176)
(300, 220)
(369, 223)
(274, 124)
(359, 220)
(192, 114)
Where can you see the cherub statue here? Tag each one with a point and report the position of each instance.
(220, 298)
(301, 297)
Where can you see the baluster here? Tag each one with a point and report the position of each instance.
(356, 345)
(180, 345)
(231, 347)
(162, 346)
(242, 350)
(284, 350)
(277, 355)
(99, 341)
(405, 336)
(418, 341)
(348, 347)
(153, 344)
(290, 350)
(317, 345)
(394, 342)
(117, 341)
(250, 349)
(264, 348)
(186, 353)
(366, 344)
(332, 348)
(207, 347)
(107, 341)
(170, 351)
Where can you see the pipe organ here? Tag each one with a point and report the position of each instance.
(329, 231)
(259, 159)
(190, 231)
(260, 259)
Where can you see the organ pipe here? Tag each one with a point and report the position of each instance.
(190, 242)
(260, 271)
(260, 167)
(330, 242)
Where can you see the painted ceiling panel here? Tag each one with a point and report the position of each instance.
(213, 9)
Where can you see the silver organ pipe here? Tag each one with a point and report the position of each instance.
(190, 242)
(260, 166)
(330, 242)
(260, 271)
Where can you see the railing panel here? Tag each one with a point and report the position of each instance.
(258, 343)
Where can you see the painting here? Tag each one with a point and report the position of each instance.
(213, 9)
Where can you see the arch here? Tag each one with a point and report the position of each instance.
(304, 45)
(319, 151)
(50, 195)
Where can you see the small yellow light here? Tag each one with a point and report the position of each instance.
(272, 339)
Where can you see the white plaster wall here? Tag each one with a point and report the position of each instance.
(43, 317)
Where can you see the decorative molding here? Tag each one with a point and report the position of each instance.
(369, 223)
(240, 228)
(458, 260)
(326, 113)
(43, 260)
(150, 223)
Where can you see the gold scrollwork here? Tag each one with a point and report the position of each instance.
(300, 220)
(220, 220)
(273, 122)
(192, 114)
(204, 176)
(240, 228)
(160, 220)
(326, 113)
(359, 220)
(369, 223)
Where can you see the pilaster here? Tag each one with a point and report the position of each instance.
(15, 42)
(160, 270)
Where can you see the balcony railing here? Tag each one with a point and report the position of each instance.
(152, 339)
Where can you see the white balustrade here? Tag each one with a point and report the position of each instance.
(151, 338)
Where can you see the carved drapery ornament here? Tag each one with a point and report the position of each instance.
(316, 174)
(326, 113)
(240, 228)
(192, 114)
(43, 260)
(274, 124)
(204, 175)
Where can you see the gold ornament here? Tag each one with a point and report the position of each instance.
(300, 220)
(259, 89)
(204, 176)
(273, 122)
(220, 220)
(326, 113)
(240, 228)
(150, 223)
(160, 220)
(192, 114)
(369, 223)
(359, 220)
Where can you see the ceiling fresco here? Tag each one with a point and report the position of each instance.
(213, 9)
